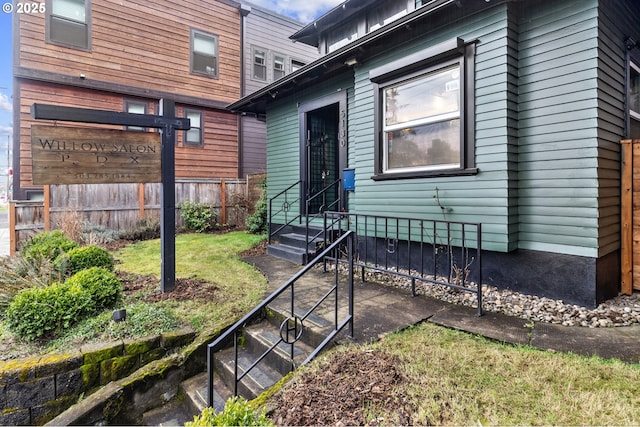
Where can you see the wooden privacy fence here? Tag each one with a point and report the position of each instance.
(120, 207)
(630, 218)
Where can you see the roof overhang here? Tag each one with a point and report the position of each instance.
(363, 49)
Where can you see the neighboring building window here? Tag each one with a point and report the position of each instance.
(135, 107)
(259, 64)
(278, 67)
(425, 124)
(193, 137)
(204, 53)
(68, 23)
(296, 65)
(634, 100)
(634, 90)
(342, 36)
(382, 15)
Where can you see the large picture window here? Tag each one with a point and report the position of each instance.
(68, 23)
(424, 114)
(421, 127)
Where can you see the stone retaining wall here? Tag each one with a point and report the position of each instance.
(35, 390)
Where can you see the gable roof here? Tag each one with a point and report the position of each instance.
(408, 27)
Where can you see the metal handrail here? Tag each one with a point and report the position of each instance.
(222, 341)
(284, 209)
(322, 209)
(427, 250)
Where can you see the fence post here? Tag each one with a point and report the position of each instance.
(47, 208)
(223, 201)
(141, 199)
(12, 228)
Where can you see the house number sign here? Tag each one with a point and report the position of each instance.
(68, 155)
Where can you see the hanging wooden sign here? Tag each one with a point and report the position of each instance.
(67, 155)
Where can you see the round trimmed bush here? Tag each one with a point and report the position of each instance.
(49, 245)
(103, 286)
(85, 257)
(36, 312)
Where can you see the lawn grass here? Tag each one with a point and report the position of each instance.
(212, 257)
(455, 378)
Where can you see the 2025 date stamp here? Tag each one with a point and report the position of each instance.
(24, 7)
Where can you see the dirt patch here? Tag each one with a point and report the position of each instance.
(191, 288)
(351, 388)
(259, 249)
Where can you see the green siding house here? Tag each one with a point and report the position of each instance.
(507, 113)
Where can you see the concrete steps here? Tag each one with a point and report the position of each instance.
(293, 245)
(257, 339)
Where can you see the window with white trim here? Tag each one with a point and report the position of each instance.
(424, 113)
(278, 67)
(193, 137)
(68, 23)
(135, 107)
(204, 53)
(259, 64)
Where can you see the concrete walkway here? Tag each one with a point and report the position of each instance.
(381, 309)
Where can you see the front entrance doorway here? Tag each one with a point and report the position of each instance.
(323, 153)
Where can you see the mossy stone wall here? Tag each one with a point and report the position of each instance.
(34, 390)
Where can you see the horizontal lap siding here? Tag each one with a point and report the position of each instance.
(283, 144)
(484, 197)
(559, 153)
(617, 21)
(143, 44)
(271, 32)
(217, 158)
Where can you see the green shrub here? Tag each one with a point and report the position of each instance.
(198, 217)
(258, 223)
(237, 412)
(103, 286)
(84, 257)
(49, 244)
(36, 312)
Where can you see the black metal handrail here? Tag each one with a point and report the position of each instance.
(447, 253)
(234, 331)
(286, 205)
(323, 208)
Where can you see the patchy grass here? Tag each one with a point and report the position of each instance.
(455, 378)
(213, 258)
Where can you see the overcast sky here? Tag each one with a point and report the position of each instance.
(304, 11)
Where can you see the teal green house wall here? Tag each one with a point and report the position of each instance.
(550, 88)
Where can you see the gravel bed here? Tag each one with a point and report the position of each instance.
(623, 310)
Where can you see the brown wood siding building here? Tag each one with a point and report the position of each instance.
(137, 51)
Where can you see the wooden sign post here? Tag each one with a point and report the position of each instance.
(101, 156)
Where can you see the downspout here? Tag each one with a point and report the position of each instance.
(244, 11)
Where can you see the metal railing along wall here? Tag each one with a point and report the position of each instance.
(288, 199)
(447, 253)
(292, 328)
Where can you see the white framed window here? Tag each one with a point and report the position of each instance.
(278, 67)
(382, 15)
(296, 65)
(204, 53)
(259, 64)
(342, 36)
(421, 122)
(135, 107)
(634, 90)
(425, 113)
(68, 23)
(194, 136)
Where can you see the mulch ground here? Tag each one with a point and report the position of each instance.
(185, 289)
(350, 389)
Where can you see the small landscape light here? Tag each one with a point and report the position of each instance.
(119, 315)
